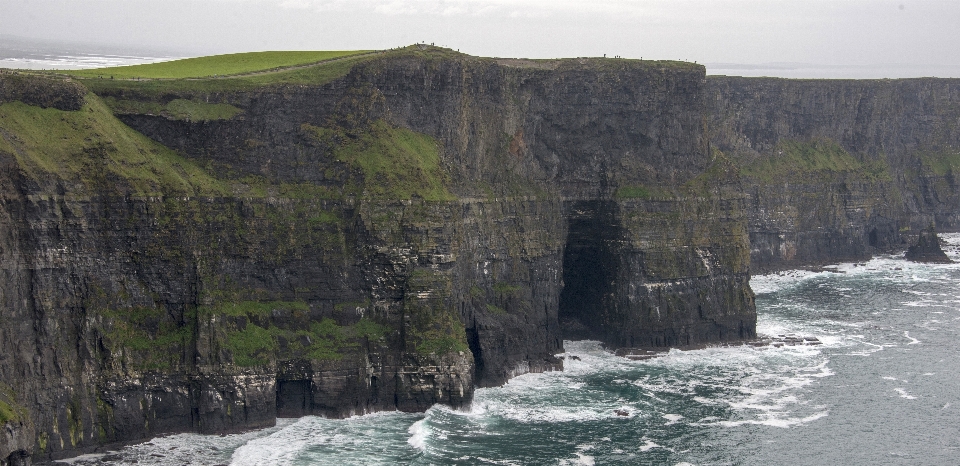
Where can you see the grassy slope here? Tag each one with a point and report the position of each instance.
(801, 158)
(315, 75)
(231, 64)
(94, 152)
(396, 163)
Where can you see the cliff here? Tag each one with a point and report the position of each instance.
(379, 233)
(839, 169)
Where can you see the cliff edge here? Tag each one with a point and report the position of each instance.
(379, 232)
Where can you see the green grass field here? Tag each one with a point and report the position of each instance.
(216, 65)
(90, 147)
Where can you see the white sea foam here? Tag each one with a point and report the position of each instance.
(649, 445)
(580, 460)
(672, 418)
(913, 341)
(777, 422)
(903, 393)
(774, 282)
(418, 435)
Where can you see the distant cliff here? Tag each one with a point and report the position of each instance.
(839, 169)
(205, 255)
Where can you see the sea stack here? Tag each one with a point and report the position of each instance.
(928, 249)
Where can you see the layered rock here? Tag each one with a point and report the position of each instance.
(383, 240)
(928, 248)
(837, 169)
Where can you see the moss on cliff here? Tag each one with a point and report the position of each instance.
(144, 338)
(396, 163)
(94, 153)
(942, 162)
(10, 410)
(434, 328)
(259, 333)
(793, 158)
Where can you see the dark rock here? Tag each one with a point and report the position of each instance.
(928, 249)
(626, 204)
(836, 169)
(46, 92)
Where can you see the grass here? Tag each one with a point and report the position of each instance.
(156, 90)
(93, 149)
(792, 157)
(176, 109)
(183, 109)
(215, 65)
(396, 163)
(256, 308)
(157, 349)
(941, 163)
(259, 341)
(251, 346)
(504, 288)
(10, 411)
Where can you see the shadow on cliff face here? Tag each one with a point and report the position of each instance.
(590, 269)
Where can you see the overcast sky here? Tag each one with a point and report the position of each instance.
(839, 32)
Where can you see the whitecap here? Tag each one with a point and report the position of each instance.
(649, 445)
(672, 418)
(418, 435)
(903, 393)
(913, 341)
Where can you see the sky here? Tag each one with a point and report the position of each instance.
(838, 33)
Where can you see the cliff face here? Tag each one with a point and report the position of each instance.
(838, 169)
(384, 239)
(206, 255)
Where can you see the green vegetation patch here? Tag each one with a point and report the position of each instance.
(256, 308)
(792, 157)
(159, 90)
(941, 163)
(94, 150)
(254, 338)
(183, 109)
(433, 327)
(633, 192)
(230, 64)
(10, 411)
(324, 340)
(396, 163)
(177, 109)
(251, 346)
(504, 288)
(146, 337)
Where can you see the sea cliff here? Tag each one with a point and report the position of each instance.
(839, 169)
(390, 230)
(205, 255)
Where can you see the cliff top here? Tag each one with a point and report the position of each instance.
(239, 71)
(218, 65)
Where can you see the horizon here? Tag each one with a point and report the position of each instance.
(917, 34)
(27, 53)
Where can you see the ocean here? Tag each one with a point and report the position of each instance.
(882, 388)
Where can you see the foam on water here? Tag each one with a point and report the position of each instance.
(77, 62)
(717, 405)
(418, 435)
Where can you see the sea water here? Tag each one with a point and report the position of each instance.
(883, 388)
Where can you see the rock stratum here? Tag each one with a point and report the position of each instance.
(390, 231)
